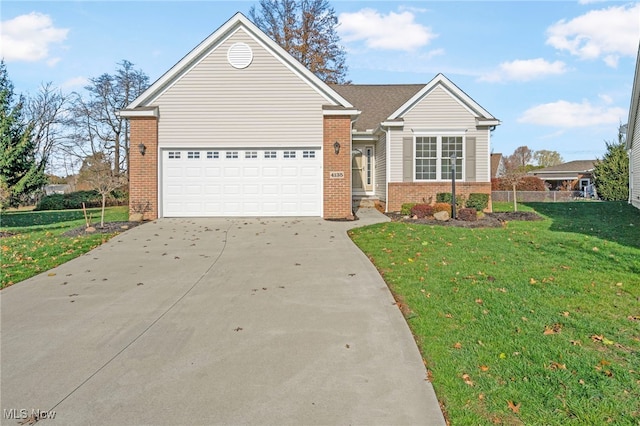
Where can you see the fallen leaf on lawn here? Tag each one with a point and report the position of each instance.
(467, 379)
(481, 397)
(597, 337)
(575, 342)
(565, 314)
(532, 281)
(581, 381)
(557, 366)
(51, 274)
(479, 301)
(552, 329)
(633, 317)
(607, 341)
(595, 249)
(484, 368)
(513, 406)
(502, 355)
(458, 345)
(564, 267)
(604, 362)
(448, 316)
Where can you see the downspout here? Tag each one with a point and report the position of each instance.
(387, 172)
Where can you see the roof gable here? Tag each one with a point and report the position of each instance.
(237, 22)
(577, 166)
(482, 115)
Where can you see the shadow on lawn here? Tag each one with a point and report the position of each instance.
(615, 221)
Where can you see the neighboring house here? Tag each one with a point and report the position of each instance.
(57, 189)
(240, 128)
(633, 139)
(572, 176)
(497, 166)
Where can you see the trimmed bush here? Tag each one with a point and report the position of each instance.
(478, 201)
(74, 200)
(421, 211)
(468, 214)
(441, 207)
(445, 197)
(406, 208)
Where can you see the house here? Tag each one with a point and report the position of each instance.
(240, 128)
(57, 189)
(572, 176)
(633, 139)
(497, 166)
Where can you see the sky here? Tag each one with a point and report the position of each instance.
(558, 74)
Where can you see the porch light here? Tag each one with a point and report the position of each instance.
(336, 147)
(142, 148)
(453, 185)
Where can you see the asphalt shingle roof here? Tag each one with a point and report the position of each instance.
(571, 166)
(376, 101)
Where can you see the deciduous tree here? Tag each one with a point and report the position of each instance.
(97, 171)
(307, 30)
(546, 158)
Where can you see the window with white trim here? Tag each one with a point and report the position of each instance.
(433, 157)
(308, 154)
(251, 154)
(173, 155)
(213, 155)
(270, 154)
(193, 155)
(289, 154)
(231, 154)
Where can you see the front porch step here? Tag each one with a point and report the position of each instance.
(365, 202)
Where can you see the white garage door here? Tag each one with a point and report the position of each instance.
(242, 182)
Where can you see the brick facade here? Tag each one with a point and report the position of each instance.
(143, 169)
(425, 192)
(337, 192)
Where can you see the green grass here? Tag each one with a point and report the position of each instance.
(37, 244)
(543, 315)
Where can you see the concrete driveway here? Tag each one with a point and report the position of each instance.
(214, 321)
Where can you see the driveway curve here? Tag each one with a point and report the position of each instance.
(213, 321)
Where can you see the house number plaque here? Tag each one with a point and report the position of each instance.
(336, 175)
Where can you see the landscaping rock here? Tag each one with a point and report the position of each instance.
(442, 216)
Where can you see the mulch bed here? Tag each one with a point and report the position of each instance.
(108, 228)
(490, 220)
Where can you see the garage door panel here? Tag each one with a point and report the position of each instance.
(284, 182)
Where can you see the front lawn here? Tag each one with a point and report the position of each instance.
(32, 242)
(533, 323)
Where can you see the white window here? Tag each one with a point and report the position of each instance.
(251, 154)
(433, 157)
(174, 155)
(213, 155)
(584, 183)
(308, 154)
(289, 154)
(231, 154)
(193, 155)
(270, 154)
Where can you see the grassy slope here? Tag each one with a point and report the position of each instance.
(38, 245)
(542, 317)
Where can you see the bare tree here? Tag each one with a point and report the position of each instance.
(97, 126)
(521, 157)
(307, 30)
(47, 112)
(97, 171)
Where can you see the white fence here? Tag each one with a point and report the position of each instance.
(539, 196)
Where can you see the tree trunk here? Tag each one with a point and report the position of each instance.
(104, 202)
(515, 202)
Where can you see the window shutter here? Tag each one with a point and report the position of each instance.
(407, 159)
(470, 160)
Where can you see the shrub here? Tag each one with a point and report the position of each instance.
(468, 214)
(421, 210)
(478, 201)
(441, 207)
(406, 208)
(72, 200)
(445, 197)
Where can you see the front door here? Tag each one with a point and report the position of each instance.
(362, 169)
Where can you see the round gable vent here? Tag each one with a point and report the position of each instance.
(239, 55)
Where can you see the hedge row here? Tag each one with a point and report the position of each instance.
(74, 200)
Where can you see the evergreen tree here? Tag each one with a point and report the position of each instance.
(20, 174)
(611, 174)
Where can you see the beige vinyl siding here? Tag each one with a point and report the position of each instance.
(265, 104)
(381, 167)
(436, 112)
(634, 164)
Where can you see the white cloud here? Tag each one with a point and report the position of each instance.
(570, 115)
(525, 70)
(28, 38)
(395, 31)
(75, 82)
(606, 33)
